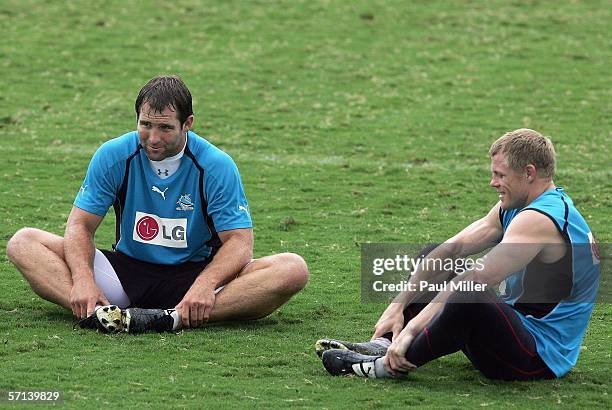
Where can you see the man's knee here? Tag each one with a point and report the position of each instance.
(293, 271)
(18, 246)
(469, 297)
(427, 249)
(15, 247)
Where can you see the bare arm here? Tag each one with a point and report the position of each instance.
(478, 236)
(234, 254)
(79, 250)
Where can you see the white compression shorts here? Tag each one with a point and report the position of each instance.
(108, 282)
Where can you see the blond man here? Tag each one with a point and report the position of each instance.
(543, 255)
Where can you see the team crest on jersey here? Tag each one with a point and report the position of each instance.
(154, 230)
(185, 203)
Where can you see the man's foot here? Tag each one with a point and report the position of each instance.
(112, 319)
(143, 320)
(376, 347)
(107, 319)
(342, 362)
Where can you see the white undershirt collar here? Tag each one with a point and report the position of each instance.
(168, 166)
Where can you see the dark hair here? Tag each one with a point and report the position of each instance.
(166, 91)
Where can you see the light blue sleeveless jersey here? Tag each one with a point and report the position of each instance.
(558, 326)
(165, 221)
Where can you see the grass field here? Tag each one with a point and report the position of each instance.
(351, 122)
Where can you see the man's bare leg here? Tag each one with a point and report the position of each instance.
(39, 256)
(261, 287)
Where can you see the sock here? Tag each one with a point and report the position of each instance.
(177, 319)
(379, 369)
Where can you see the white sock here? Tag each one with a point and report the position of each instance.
(177, 319)
(379, 369)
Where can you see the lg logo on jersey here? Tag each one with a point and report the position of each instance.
(147, 229)
(154, 230)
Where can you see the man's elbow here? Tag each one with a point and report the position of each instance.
(247, 249)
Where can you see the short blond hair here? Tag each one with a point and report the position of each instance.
(523, 147)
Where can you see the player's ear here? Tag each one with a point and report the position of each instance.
(188, 123)
(530, 172)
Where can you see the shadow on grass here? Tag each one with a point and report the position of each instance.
(247, 324)
(58, 315)
(463, 378)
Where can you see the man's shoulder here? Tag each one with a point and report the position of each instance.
(207, 155)
(117, 149)
(533, 220)
(124, 145)
(557, 206)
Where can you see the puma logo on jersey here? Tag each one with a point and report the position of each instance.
(162, 193)
(154, 230)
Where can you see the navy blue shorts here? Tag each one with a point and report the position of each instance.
(151, 285)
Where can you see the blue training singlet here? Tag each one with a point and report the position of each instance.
(165, 221)
(555, 301)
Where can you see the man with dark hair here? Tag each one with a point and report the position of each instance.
(184, 240)
(543, 254)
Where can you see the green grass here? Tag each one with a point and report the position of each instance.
(351, 122)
